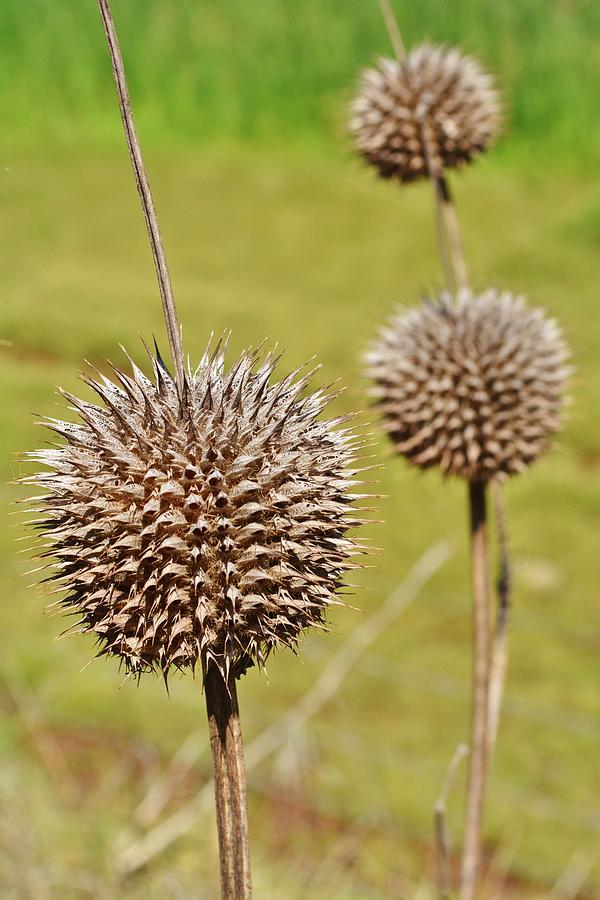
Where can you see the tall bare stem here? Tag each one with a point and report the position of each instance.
(451, 246)
(221, 698)
(439, 822)
(391, 23)
(481, 666)
(455, 268)
(230, 784)
(499, 659)
(143, 186)
(488, 664)
(447, 212)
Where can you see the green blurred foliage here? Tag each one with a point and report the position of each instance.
(276, 68)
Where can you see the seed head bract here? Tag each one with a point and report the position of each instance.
(472, 384)
(432, 111)
(210, 532)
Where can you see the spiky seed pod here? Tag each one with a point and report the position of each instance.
(432, 111)
(472, 384)
(212, 535)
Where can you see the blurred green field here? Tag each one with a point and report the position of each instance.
(274, 230)
(272, 69)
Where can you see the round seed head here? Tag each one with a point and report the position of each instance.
(210, 533)
(418, 116)
(472, 384)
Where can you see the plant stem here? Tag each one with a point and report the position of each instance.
(481, 655)
(489, 656)
(230, 784)
(391, 24)
(448, 232)
(489, 661)
(441, 198)
(143, 186)
(499, 651)
(439, 820)
(442, 236)
(447, 212)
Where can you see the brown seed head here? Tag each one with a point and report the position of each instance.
(472, 384)
(208, 536)
(432, 111)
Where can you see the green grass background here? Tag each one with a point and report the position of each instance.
(277, 69)
(274, 230)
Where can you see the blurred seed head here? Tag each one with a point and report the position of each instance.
(432, 111)
(473, 384)
(209, 535)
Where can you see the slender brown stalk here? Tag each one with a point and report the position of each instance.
(499, 657)
(391, 23)
(488, 668)
(440, 201)
(230, 785)
(442, 236)
(453, 240)
(455, 268)
(448, 232)
(479, 724)
(221, 698)
(449, 240)
(444, 880)
(143, 186)
(485, 707)
(490, 656)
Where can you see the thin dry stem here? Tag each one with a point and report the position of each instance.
(479, 727)
(499, 658)
(456, 277)
(230, 785)
(448, 232)
(441, 225)
(453, 239)
(439, 817)
(391, 23)
(442, 236)
(490, 658)
(143, 186)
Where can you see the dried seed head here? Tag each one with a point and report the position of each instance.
(210, 536)
(432, 111)
(472, 384)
